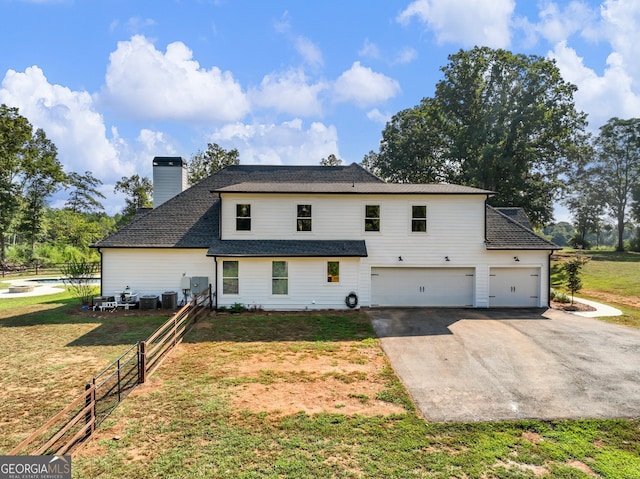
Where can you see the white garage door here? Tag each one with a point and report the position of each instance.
(422, 286)
(514, 287)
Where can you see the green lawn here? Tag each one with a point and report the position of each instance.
(187, 422)
(610, 277)
(49, 349)
(206, 412)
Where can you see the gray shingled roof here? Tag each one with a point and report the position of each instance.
(190, 220)
(516, 214)
(505, 233)
(267, 248)
(354, 188)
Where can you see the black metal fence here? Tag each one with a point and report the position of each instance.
(77, 421)
(36, 269)
(115, 383)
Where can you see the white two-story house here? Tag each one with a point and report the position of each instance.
(307, 237)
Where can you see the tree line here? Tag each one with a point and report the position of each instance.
(499, 121)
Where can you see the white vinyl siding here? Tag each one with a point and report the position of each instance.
(153, 271)
(307, 286)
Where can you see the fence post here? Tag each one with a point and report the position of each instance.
(90, 400)
(119, 382)
(142, 362)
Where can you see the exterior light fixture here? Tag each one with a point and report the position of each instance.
(399, 258)
(446, 258)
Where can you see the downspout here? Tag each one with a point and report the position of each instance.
(101, 275)
(215, 258)
(549, 279)
(215, 293)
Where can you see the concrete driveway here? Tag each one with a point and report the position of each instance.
(486, 365)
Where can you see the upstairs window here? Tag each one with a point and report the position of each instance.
(372, 218)
(243, 217)
(304, 218)
(419, 219)
(230, 278)
(279, 277)
(333, 272)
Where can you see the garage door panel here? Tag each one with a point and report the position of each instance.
(514, 287)
(422, 286)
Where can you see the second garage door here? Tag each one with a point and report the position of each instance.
(422, 286)
(514, 287)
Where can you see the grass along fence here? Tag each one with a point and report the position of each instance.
(77, 421)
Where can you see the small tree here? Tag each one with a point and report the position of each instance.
(573, 269)
(78, 276)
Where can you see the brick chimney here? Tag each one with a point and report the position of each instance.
(169, 178)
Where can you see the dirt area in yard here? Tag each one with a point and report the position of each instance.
(610, 298)
(282, 380)
(313, 384)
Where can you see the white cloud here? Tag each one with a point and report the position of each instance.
(621, 23)
(69, 120)
(558, 24)
(309, 51)
(146, 83)
(406, 55)
(466, 22)
(603, 96)
(377, 116)
(369, 50)
(279, 144)
(289, 92)
(362, 86)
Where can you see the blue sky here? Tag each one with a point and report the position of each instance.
(116, 82)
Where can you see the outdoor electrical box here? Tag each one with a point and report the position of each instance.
(199, 284)
(185, 283)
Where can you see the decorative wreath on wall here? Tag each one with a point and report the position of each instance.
(351, 300)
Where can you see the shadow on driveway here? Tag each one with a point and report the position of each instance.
(505, 364)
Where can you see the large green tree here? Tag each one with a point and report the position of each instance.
(205, 163)
(331, 160)
(29, 174)
(42, 176)
(84, 195)
(616, 169)
(139, 194)
(500, 121)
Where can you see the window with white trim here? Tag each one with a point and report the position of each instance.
(303, 218)
(243, 217)
(333, 271)
(418, 218)
(279, 277)
(230, 277)
(372, 218)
